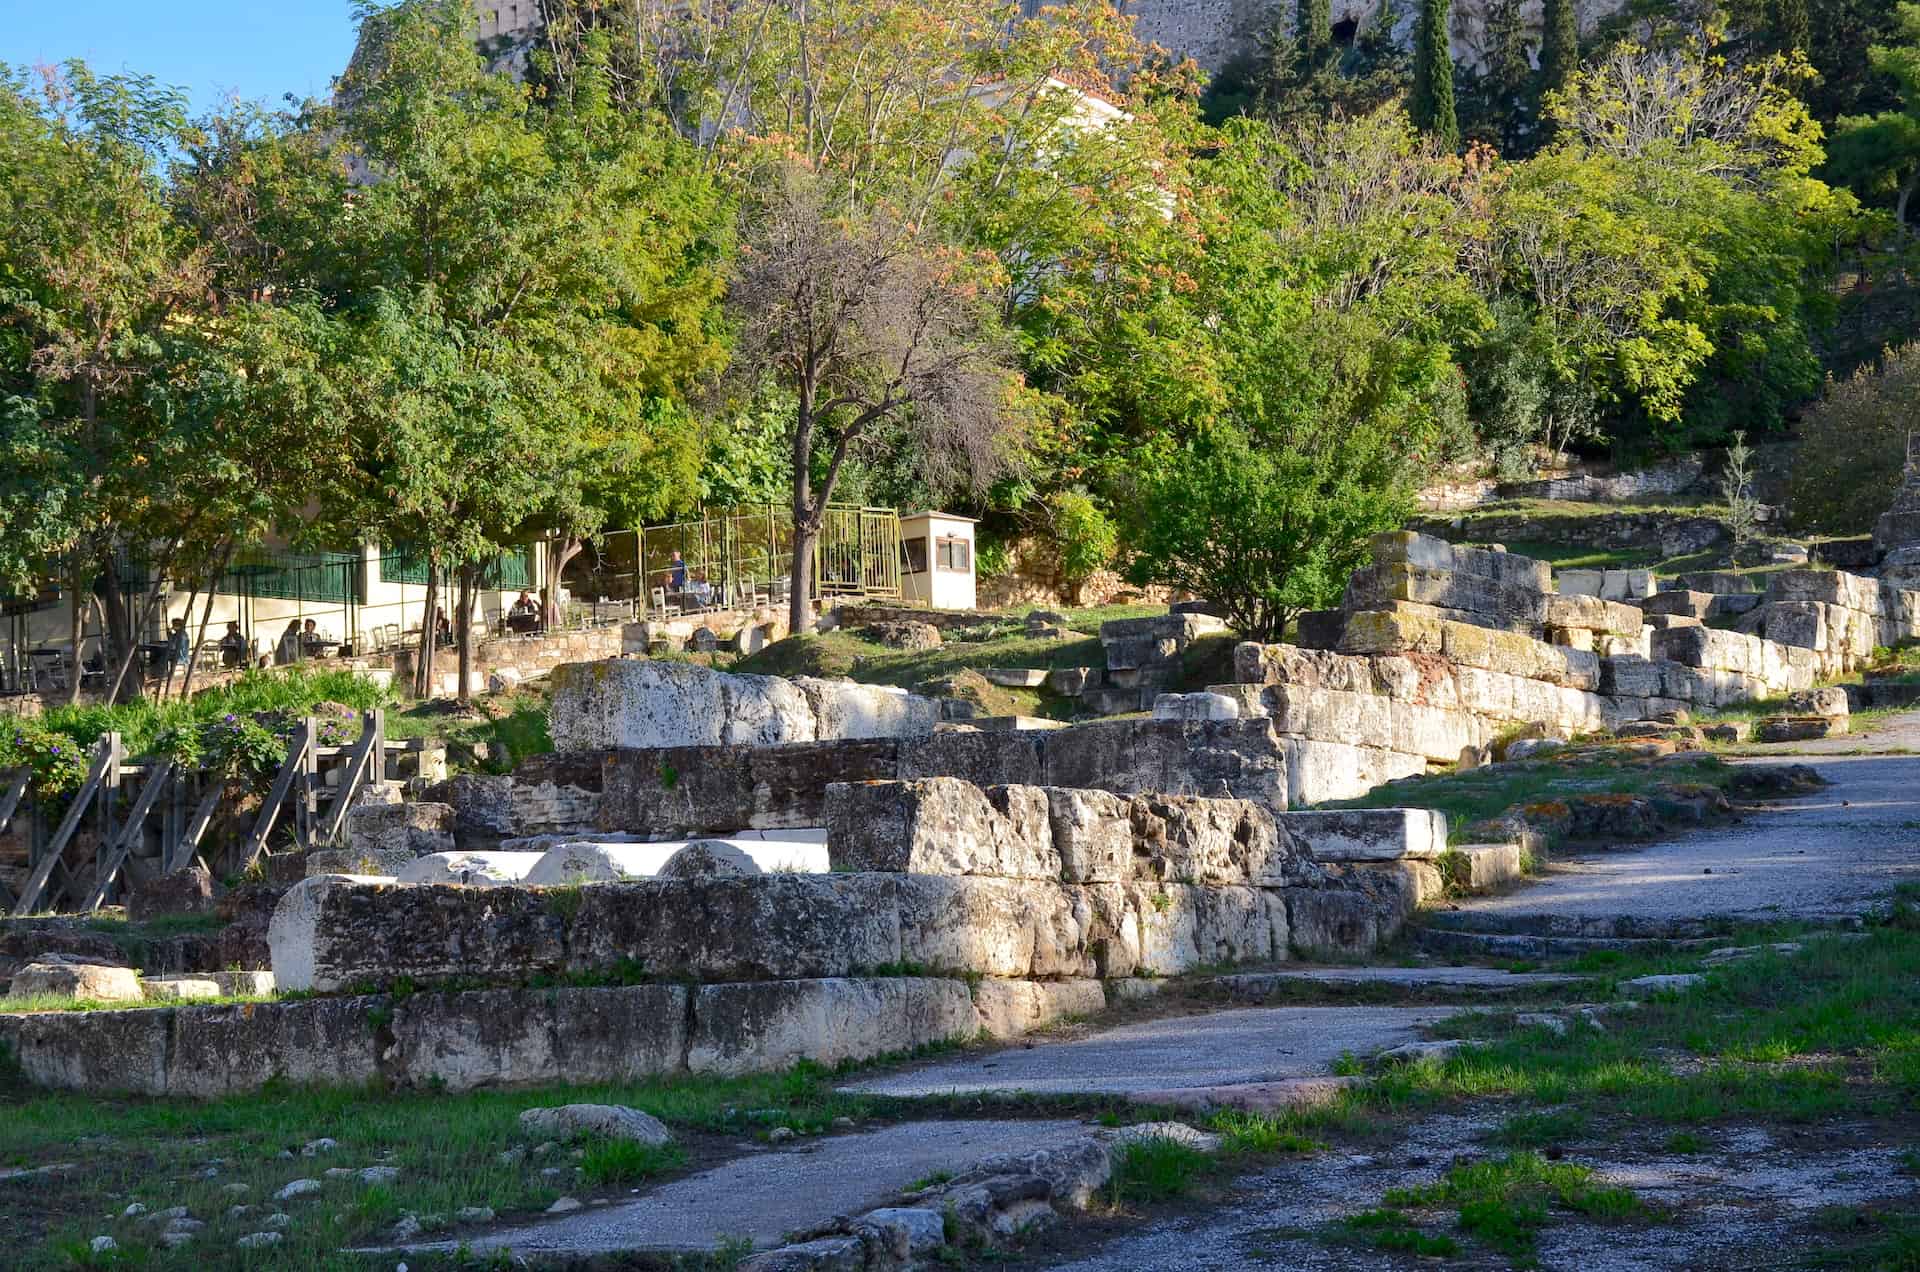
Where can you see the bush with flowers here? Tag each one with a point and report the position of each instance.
(58, 762)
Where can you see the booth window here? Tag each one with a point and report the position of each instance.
(955, 554)
(913, 555)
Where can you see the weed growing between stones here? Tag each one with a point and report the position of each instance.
(1155, 1169)
(1505, 1202)
(1260, 1134)
(1389, 1229)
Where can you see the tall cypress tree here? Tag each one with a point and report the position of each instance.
(1432, 103)
(1313, 30)
(1560, 43)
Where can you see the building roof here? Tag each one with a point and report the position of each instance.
(944, 516)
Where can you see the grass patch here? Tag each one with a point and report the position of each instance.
(1156, 1169)
(1261, 1134)
(502, 730)
(1506, 1201)
(1472, 795)
(1389, 1229)
(610, 1162)
(290, 690)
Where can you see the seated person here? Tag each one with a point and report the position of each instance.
(233, 647)
(311, 640)
(288, 650)
(701, 589)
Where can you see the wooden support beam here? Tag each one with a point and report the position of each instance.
(114, 855)
(296, 760)
(351, 774)
(103, 752)
(13, 789)
(189, 842)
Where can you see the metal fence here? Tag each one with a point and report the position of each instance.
(744, 556)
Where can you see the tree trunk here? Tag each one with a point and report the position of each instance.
(206, 615)
(463, 633)
(1906, 198)
(423, 659)
(76, 622)
(560, 553)
(117, 628)
(132, 649)
(800, 586)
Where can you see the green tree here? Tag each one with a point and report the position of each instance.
(522, 284)
(1432, 104)
(96, 279)
(1313, 31)
(1792, 27)
(1879, 154)
(1559, 43)
(1853, 449)
(1501, 103)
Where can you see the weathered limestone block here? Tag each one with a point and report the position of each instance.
(1830, 701)
(1332, 922)
(186, 891)
(1014, 1008)
(1208, 841)
(482, 809)
(1681, 604)
(413, 829)
(1490, 867)
(1368, 834)
(1798, 623)
(1384, 586)
(557, 792)
(371, 863)
(104, 1052)
(1830, 587)
(648, 703)
(90, 982)
(225, 1050)
(1594, 614)
(522, 1037)
(1092, 834)
(764, 927)
(1195, 706)
(995, 927)
(844, 709)
(334, 932)
(1431, 553)
(1238, 925)
(1401, 887)
(773, 1025)
(708, 859)
(1238, 759)
(1799, 728)
(985, 759)
(1322, 771)
(943, 826)
(1392, 632)
(470, 869)
(1630, 676)
(675, 792)
(1257, 664)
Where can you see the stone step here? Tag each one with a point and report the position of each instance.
(1491, 867)
(1015, 677)
(1412, 983)
(1467, 944)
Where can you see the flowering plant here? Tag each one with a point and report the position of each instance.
(57, 762)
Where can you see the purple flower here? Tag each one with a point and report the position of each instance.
(55, 751)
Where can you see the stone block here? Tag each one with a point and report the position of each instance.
(411, 829)
(766, 1027)
(187, 891)
(1092, 834)
(763, 927)
(234, 1049)
(1799, 728)
(1368, 834)
(1195, 706)
(1490, 867)
(336, 932)
(482, 809)
(1630, 676)
(994, 927)
(85, 982)
(98, 1052)
(1681, 604)
(1331, 923)
(1799, 623)
(645, 703)
(1407, 547)
(843, 709)
(1728, 731)
(941, 826)
(985, 759)
(1321, 771)
(520, 1037)
(1383, 631)
(1071, 682)
(1015, 1008)
(371, 863)
(1207, 841)
(1239, 759)
(470, 869)
(1830, 701)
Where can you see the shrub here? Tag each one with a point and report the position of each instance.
(1087, 539)
(1853, 446)
(56, 759)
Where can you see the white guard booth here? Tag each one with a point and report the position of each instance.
(936, 567)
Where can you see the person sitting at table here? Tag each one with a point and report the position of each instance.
(233, 647)
(524, 607)
(288, 650)
(701, 590)
(311, 642)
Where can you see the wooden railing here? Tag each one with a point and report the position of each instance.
(166, 791)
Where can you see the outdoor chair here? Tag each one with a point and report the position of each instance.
(660, 605)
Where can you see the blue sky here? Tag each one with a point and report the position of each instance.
(259, 49)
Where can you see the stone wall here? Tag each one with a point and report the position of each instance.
(677, 792)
